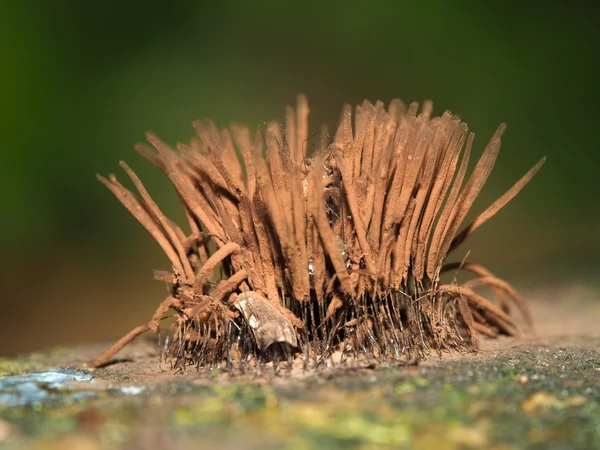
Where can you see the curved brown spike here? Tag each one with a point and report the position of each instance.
(497, 205)
(186, 189)
(140, 211)
(476, 182)
(211, 263)
(168, 303)
(152, 326)
(117, 346)
(171, 232)
(498, 283)
(483, 329)
(480, 271)
(496, 315)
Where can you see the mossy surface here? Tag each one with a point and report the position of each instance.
(35, 362)
(537, 397)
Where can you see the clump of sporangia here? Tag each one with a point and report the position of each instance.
(333, 256)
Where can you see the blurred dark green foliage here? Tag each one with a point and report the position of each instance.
(82, 81)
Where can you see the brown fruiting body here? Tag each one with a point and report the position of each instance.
(330, 251)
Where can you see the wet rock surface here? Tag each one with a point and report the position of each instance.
(536, 392)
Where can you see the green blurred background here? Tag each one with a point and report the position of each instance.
(82, 81)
